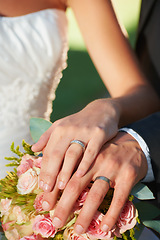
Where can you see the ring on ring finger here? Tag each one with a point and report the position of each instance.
(80, 144)
(104, 179)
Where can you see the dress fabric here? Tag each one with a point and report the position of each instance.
(33, 53)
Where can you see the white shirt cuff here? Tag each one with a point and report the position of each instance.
(149, 176)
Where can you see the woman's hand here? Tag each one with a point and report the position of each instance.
(93, 126)
(123, 162)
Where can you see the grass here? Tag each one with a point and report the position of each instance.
(81, 83)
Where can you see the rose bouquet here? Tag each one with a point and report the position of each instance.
(23, 218)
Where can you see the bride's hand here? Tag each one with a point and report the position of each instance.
(92, 126)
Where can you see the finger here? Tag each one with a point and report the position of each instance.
(39, 146)
(52, 160)
(93, 201)
(121, 193)
(92, 149)
(68, 199)
(50, 199)
(72, 157)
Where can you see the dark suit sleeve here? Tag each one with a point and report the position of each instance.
(149, 129)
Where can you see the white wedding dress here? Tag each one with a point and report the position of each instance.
(33, 53)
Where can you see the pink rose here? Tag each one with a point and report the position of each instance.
(8, 225)
(80, 201)
(37, 162)
(12, 234)
(127, 218)
(38, 202)
(27, 182)
(5, 206)
(94, 230)
(32, 237)
(43, 225)
(28, 162)
(69, 234)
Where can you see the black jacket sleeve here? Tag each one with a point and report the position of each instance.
(149, 129)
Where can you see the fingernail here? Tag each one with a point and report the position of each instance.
(79, 229)
(45, 206)
(79, 173)
(41, 184)
(57, 222)
(105, 228)
(46, 187)
(61, 185)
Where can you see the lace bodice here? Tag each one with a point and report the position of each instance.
(33, 52)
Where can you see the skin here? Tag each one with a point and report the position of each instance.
(123, 162)
(7, 7)
(132, 99)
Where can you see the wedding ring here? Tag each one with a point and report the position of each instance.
(104, 179)
(78, 142)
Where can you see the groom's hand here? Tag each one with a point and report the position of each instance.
(122, 161)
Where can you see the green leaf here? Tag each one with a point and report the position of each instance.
(142, 192)
(139, 230)
(147, 211)
(155, 224)
(37, 127)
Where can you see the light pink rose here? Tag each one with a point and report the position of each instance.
(18, 215)
(38, 202)
(8, 225)
(12, 234)
(27, 182)
(43, 225)
(5, 206)
(94, 230)
(32, 237)
(28, 162)
(37, 162)
(69, 234)
(127, 218)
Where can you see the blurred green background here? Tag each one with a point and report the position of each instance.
(81, 83)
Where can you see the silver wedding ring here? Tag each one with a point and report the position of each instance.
(104, 179)
(78, 142)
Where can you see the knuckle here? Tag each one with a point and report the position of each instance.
(56, 154)
(46, 156)
(112, 219)
(73, 187)
(59, 130)
(61, 211)
(115, 162)
(43, 137)
(131, 172)
(96, 197)
(71, 154)
(100, 131)
(47, 178)
(63, 176)
(90, 152)
(119, 203)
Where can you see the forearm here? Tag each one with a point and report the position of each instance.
(114, 59)
(136, 104)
